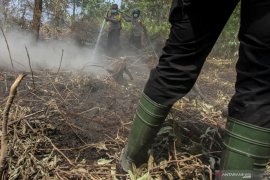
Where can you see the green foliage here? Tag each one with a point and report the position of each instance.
(154, 14)
(227, 44)
(94, 8)
(155, 18)
(56, 11)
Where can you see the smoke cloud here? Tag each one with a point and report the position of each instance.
(47, 54)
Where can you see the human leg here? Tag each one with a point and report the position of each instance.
(247, 137)
(196, 26)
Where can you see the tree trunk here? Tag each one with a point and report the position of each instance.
(37, 18)
(74, 11)
(22, 21)
(4, 11)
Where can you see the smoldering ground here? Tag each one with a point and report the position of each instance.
(47, 54)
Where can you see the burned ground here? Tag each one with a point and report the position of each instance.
(73, 125)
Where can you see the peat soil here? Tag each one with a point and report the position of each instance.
(87, 120)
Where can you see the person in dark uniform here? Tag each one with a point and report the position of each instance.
(113, 41)
(195, 27)
(136, 29)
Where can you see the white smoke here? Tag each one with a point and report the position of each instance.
(47, 55)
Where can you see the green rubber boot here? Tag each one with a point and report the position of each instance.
(146, 123)
(247, 147)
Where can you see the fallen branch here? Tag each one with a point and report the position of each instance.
(29, 61)
(27, 116)
(60, 62)
(60, 152)
(4, 138)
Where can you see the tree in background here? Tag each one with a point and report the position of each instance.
(37, 18)
(83, 17)
(57, 12)
(74, 5)
(155, 16)
(227, 44)
(4, 10)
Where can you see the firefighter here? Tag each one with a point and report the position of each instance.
(137, 28)
(195, 27)
(113, 41)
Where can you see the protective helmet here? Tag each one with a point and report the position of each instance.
(136, 12)
(114, 6)
(114, 9)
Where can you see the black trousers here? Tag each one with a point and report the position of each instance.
(195, 28)
(136, 41)
(113, 43)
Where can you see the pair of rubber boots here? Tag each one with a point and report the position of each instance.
(247, 147)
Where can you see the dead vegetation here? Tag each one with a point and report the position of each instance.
(69, 125)
(73, 126)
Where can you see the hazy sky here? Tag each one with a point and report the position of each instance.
(116, 1)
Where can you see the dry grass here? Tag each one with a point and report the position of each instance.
(73, 126)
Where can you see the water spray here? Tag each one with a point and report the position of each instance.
(101, 31)
(99, 36)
